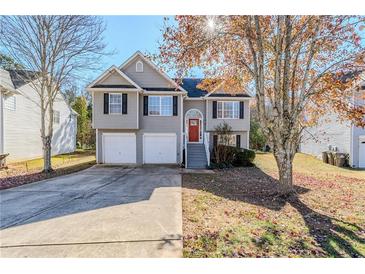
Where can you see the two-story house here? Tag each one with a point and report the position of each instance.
(142, 116)
(20, 119)
(335, 134)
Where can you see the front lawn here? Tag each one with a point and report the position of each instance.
(237, 213)
(19, 173)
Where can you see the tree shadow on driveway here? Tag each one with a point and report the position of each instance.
(93, 189)
(253, 186)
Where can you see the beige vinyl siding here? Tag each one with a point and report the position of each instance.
(115, 121)
(159, 124)
(236, 124)
(148, 124)
(114, 79)
(194, 104)
(328, 131)
(148, 78)
(22, 127)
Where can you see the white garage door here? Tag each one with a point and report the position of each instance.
(362, 151)
(119, 148)
(159, 148)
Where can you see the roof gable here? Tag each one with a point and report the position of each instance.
(114, 78)
(152, 78)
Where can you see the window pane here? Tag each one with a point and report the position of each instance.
(219, 111)
(56, 117)
(166, 105)
(115, 98)
(115, 103)
(236, 112)
(115, 108)
(228, 109)
(227, 140)
(153, 105)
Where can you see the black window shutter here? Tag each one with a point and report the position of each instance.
(174, 105)
(238, 140)
(145, 105)
(242, 110)
(215, 141)
(106, 103)
(124, 103)
(214, 110)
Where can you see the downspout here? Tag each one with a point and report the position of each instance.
(2, 134)
(182, 135)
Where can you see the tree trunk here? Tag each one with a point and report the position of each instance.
(284, 161)
(47, 165)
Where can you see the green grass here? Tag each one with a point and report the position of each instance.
(308, 165)
(19, 173)
(61, 160)
(233, 213)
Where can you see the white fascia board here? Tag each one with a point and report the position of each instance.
(113, 89)
(229, 98)
(163, 92)
(195, 98)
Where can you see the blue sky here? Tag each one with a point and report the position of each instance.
(127, 34)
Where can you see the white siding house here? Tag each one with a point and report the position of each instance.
(20, 121)
(340, 135)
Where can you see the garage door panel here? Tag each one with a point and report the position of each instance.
(119, 148)
(160, 149)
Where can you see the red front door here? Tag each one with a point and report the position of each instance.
(193, 130)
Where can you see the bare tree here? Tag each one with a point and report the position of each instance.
(52, 50)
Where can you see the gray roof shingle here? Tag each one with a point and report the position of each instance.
(22, 77)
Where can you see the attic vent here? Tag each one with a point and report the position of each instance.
(139, 66)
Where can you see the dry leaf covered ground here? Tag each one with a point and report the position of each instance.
(20, 173)
(236, 212)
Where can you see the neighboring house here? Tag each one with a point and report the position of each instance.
(341, 136)
(20, 119)
(142, 116)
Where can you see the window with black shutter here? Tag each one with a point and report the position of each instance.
(124, 103)
(174, 105)
(145, 105)
(106, 103)
(238, 141)
(242, 109)
(214, 110)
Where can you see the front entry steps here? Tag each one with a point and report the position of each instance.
(197, 158)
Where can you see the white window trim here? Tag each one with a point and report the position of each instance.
(201, 125)
(234, 137)
(228, 118)
(139, 63)
(121, 104)
(160, 96)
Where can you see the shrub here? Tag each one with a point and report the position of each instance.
(234, 157)
(257, 138)
(244, 157)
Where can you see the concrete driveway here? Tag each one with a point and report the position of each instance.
(99, 212)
